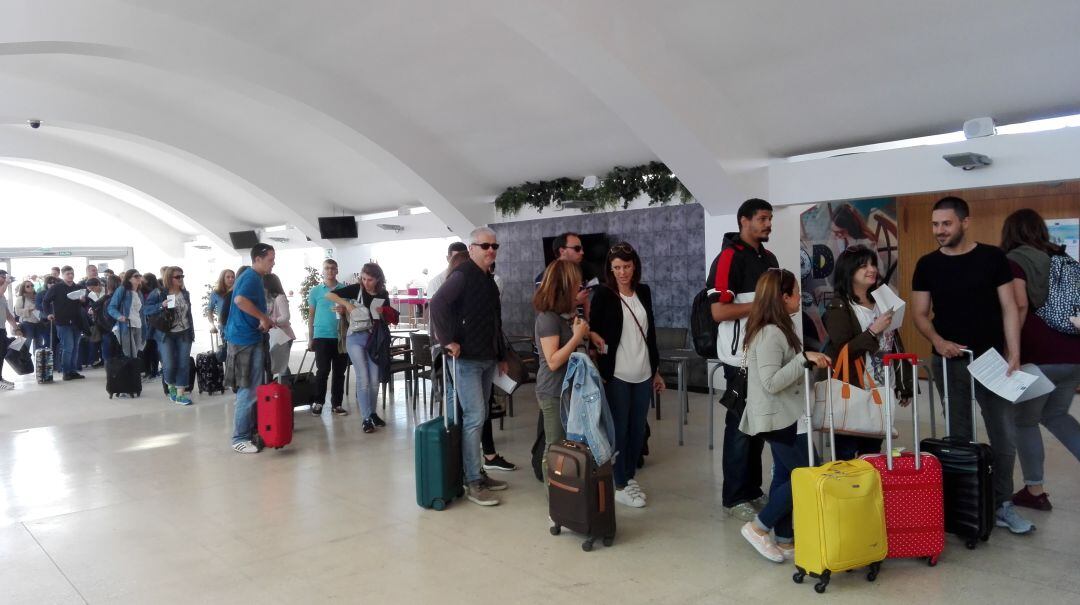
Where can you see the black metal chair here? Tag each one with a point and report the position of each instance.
(666, 340)
(422, 359)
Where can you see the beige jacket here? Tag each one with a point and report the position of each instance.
(775, 396)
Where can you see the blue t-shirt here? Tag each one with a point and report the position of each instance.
(326, 323)
(243, 329)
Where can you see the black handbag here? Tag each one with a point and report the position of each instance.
(164, 320)
(734, 397)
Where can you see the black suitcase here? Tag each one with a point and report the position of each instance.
(581, 495)
(20, 360)
(968, 477)
(301, 384)
(210, 370)
(123, 375)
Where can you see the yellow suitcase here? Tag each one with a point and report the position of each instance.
(838, 516)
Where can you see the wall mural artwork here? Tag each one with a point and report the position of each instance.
(827, 229)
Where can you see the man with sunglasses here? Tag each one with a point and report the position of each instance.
(567, 246)
(732, 279)
(467, 320)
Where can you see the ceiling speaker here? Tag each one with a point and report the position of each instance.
(979, 127)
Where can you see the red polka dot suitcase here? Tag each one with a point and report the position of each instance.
(912, 486)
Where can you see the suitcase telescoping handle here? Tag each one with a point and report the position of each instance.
(809, 388)
(450, 405)
(971, 392)
(887, 360)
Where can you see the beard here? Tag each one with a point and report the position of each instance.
(951, 241)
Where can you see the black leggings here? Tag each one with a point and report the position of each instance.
(4, 350)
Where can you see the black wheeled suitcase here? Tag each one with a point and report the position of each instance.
(581, 495)
(439, 476)
(210, 370)
(968, 474)
(301, 384)
(20, 360)
(123, 375)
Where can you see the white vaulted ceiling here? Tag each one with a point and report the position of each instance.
(251, 113)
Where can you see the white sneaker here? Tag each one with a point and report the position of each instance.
(634, 488)
(763, 544)
(245, 447)
(628, 498)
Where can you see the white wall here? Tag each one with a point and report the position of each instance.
(1018, 158)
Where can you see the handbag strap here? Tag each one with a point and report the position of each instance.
(868, 380)
(636, 322)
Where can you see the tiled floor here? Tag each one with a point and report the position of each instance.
(142, 501)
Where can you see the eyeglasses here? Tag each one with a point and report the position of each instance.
(574, 248)
(485, 246)
(624, 247)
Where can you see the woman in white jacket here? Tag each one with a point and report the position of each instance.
(775, 402)
(277, 304)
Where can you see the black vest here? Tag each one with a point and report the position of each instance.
(478, 314)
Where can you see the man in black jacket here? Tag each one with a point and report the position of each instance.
(65, 313)
(466, 316)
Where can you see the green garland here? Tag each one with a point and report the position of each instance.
(620, 184)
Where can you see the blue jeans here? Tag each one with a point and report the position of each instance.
(742, 458)
(244, 417)
(69, 348)
(473, 387)
(176, 359)
(367, 373)
(777, 513)
(34, 334)
(629, 404)
(1052, 410)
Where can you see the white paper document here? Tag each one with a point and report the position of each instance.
(504, 382)
(887, 300)
(76, 294)
(93, 296)
(278, 337)
(18, 343)
(990, 369)
(1040, 387)
(377, 304)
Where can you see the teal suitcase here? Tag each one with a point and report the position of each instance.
(438, 459)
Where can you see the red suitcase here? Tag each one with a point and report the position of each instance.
(912, 485)
(274, 414)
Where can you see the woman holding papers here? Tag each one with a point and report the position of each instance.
(365, 304)
(1027, 245)
(173, 339)
(281, 334)
(853, 318)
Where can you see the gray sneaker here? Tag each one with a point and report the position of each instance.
(492, 485)
(759, 502)
(1008, 517)
(743, 511)
(476, 492)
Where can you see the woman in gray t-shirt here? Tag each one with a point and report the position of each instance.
(558, 332)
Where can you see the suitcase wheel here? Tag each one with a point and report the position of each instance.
(821, 586)
(798, 576)
(555, 530)
(439, 504)
(874, 569)
(971, 544)
(587, 544)
(609, 540)
(932, 561)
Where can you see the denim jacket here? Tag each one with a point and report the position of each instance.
(584, 408)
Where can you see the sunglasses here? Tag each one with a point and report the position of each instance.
(178, 277)
(622, 248)
(486, 246)
(574, 248)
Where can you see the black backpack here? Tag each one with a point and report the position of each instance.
(702, 326)
(102, 319)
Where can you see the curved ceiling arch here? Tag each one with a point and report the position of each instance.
(432, 175)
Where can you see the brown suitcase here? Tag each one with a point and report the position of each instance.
(581, 495)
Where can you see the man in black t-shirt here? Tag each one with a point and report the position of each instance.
(968, 285)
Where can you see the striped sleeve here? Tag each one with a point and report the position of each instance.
(720, 287)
